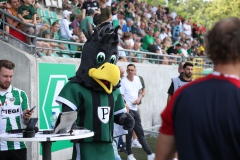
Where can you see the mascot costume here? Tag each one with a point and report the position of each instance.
(93, 92)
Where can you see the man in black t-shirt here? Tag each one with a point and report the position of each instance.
(88, 5)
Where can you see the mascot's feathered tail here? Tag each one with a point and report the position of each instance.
(98, 70)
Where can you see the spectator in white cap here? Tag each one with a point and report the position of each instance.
(66, 33)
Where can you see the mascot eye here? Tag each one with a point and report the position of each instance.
(113, 59)
(100, 57)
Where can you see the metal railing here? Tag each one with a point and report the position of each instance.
(4, 33)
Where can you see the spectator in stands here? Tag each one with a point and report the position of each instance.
(116, 18)
(29, 18)
(177, 29)
(13, 10)
(49, 34)
(184, 50)
(64, 29)
(76, 22)
(80, 4)
(128, 27)
(142, 29)
(106, 15)
(122, 55)
(82, 39)
(128, 37)
(136, 57)
(87, 22)
(187, 27)
(41, 24)
(91, 5)
(66, 5)
(163, 33)
(148, 40)
(129, 12)
(74, 9)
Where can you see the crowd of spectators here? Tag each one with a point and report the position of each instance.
(143, 27)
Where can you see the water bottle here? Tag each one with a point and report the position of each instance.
(53, 120)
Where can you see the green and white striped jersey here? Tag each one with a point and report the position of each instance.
(12, 104)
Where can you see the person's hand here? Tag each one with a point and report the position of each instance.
(25, 12)
(61, 46)
(35, 22)
(127, 121)
(27, 114)
(137, 101)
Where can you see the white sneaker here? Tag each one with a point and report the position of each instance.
(151, 156)
(131, 157)
(136, 144)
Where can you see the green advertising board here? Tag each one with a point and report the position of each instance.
(51, 79)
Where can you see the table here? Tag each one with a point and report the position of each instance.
(47, 139)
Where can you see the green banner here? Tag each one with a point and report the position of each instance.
(51, 79)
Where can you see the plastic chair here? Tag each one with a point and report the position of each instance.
(66, 56)
(56, 35)
(54, 55)
(53, 15)
(46, 14)
(67, 50)
(39, 12)
(46, 20)
(52, 21)
(41, 54)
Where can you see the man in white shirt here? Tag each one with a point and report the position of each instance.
(130, 90)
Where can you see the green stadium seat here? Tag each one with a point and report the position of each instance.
(52, 20)
(42, 54)
(53, 15)
(46, 20)
(66, 56)
(39, 12)
(56, 35)
(67, 50)
(46, 14)
(73, 47)
(54, 55)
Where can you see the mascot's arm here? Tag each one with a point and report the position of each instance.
(65, 108)
(126, 120)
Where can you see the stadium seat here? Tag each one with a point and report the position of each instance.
(56, 35)
(54, 55)
(42, 54)
(53, 15)
(46, 20)
(73, 47)
(66, 56)
(46, 14)
(66, 50)
(51, 21)
(39, 12)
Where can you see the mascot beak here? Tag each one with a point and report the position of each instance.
(107, 75)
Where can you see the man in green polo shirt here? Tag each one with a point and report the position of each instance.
(87, 22)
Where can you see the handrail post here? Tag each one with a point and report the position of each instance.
(3, 21)
(34, 42)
